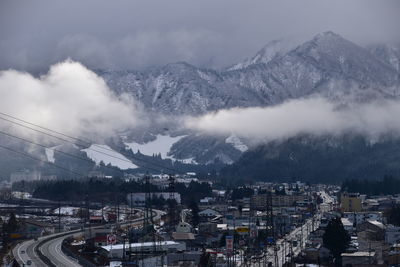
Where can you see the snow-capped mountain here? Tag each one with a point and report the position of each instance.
(270, 51)
(328, 64)
(387, 53)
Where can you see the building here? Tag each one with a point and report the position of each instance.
(361, 217)
(348, 225)
(25, 175)
(209, 213)
(351, 202)
(392, 234)
(117, 251)
(208, 228)
(139, 199)
(187, 258)
(183, 227)
(358, 258)
(258, 202)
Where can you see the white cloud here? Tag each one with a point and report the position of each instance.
(69, 98)
(314, 116)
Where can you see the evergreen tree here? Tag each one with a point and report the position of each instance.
(336, 238)
(12, 224)
(393, 215)
(195, 212)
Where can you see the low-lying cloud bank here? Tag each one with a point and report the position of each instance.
(69, 98)
(314, 116)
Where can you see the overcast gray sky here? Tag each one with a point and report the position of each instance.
(137, 34)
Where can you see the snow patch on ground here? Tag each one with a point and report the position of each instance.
(187, 161)
(66, 211)
(104, 153)
(236, 142)
(50, 154)
(162, 144)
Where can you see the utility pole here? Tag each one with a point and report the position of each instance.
(172, 205)
(59, 216)
(102, 211)
(301, 237)
(276, 256)
(284, 250)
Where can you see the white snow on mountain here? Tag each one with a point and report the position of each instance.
(50, 154)
(271, 50)
(328, 65)
(236, 142)
(103, 153)
(162, 144)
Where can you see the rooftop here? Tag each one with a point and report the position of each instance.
(138, 245)
(359, 254)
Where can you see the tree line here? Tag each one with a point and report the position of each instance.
(110, 190)
(386, 186)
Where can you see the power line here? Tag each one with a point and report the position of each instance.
(56, 150)
(88, 143)
(65, 153)
(43, 161)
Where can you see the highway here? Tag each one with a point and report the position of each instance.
(24, 252)
(51, 248)
(52, 251)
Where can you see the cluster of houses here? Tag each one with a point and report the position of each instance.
(219, 216)
(374, 242)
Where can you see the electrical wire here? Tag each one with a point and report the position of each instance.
(40, 160)
(56, 150)
(81, 140)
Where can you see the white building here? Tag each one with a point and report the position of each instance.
(116, 251)
(361, 217)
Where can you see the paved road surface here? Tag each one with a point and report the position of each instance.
(24, 252)
(51, 249)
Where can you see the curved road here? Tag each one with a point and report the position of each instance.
(26, 251)
(52, 251)
(51, 248)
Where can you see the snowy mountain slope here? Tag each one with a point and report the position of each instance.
(103, 153)
(270, 51)
(176, 89)
(326, 64)
(161, 145)
(387, 53)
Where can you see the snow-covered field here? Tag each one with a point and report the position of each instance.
(67, 211)
(103, 153)
(162, 144)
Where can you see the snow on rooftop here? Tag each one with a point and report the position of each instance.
(103, 153)
(139, 245)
